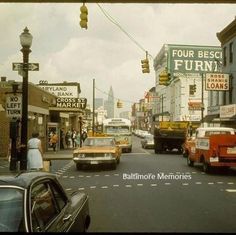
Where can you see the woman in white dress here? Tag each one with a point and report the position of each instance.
(35, 153)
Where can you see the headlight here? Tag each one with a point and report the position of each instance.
(108, 155)
(81, 155)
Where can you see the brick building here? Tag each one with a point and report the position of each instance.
(39, 115)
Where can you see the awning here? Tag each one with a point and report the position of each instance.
(209, 118)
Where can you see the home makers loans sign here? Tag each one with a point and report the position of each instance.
(194, 59)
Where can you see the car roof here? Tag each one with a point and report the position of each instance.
(23, 179)
(100, 137)
(215, 128)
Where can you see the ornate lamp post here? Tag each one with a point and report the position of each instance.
(26, 41)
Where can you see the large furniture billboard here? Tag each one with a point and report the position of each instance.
(184, 59)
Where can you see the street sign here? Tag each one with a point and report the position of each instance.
(17, 66)
(29, 66)
(33, 66)
(14, 105)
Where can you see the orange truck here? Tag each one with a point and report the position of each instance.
(213, 147)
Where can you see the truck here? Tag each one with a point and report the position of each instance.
(170, 135)
(213, 147)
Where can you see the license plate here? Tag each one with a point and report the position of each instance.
(94, 162)
(231, 150)
(214, 159)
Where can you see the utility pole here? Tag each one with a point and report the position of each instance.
(93, 105)
(202, 106)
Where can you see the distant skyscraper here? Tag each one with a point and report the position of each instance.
(109, 104)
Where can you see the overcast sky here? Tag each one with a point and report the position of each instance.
(65, 52)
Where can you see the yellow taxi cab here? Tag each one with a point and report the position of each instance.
(97, 151)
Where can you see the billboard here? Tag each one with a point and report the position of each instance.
(194, 59)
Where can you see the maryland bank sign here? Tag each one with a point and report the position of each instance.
(67, 97)
(194, 59)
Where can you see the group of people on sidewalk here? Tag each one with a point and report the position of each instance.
(73, 138)
(35, 150)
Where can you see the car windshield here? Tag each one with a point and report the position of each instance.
(117, 129)
(11, 209)
(99, 142)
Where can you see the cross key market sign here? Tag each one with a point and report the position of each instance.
(194, 59)
(71, 103)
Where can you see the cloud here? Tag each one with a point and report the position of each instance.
(109, 54)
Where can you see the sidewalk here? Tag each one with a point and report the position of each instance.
(50, 155)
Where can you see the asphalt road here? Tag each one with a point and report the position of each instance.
(154, 193)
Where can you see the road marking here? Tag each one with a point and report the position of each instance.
(153, 185)
(68, 189)
(231, 190)
(185, 184)
(81, 176)
(230, 183)
(139, 184)
(107, 175)
(194, 172)
(65, 176)
(115, 185)
(116, 174)
(80, 188)
(128, 186)
(198, 183)
(92, 187)
(104, 187)
(88, 176)
(210, 183)
(219, 182)
(96, 175)
(167, 183)
(72, 177)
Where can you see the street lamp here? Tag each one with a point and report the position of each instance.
(26, 41)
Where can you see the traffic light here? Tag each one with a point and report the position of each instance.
(194, 88)
(119, 104)
(84, 17)
(164, 78)
(191, 89)
(145, 64)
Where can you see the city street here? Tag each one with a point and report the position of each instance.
(154, 193)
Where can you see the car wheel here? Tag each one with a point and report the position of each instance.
(205, 167)
(190, 162)
(78, 166)
(113, 166)
(185, 153)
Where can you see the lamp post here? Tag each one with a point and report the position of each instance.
(26, 41)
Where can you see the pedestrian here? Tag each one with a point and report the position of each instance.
(34, 153)
(61, 139)
(53, 141)
(84, 135)
(73, 137)
(68, 139)
(78, 139)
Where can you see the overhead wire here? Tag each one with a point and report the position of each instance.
(109, 17)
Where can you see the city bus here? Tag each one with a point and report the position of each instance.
(120, 128)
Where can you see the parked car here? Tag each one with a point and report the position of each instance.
(37, 202)
(148, 142)
(97, 151)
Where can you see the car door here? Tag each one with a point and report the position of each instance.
(48, 206)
